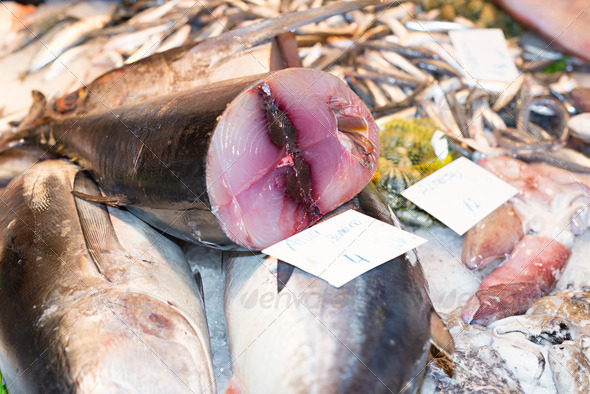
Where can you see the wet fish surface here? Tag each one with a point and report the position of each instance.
(93, 300)
(370, 335)
(551, 211)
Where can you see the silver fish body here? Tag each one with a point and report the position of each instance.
(370, 335)
(93, 300)
(65, 38)
(566, 158)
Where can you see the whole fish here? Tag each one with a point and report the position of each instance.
(191, 65)
(370, 335)
(33, 27)
(93, 300)
(561, 157)
(248, 161)
(153, 13)
(128, 43)
(176, 39)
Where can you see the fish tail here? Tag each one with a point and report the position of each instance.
(233, 387)
(440, 336)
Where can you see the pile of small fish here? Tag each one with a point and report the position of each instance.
(207, 135)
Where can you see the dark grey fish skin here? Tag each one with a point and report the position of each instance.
(370, 335)
(436, 67)
(93, 300)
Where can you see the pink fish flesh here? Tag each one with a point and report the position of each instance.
(285, 153)
(249, 161)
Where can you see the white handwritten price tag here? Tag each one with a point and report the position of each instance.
(344, 247)
(460, 194)
(484, 54)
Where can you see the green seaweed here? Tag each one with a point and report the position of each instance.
(481, 12)
(3, 389)
(559, 65)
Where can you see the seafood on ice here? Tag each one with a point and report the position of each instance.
(373, 333)
(535, 230)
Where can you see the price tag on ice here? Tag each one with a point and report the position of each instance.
(484, 54)
(344, 247)
(460, 194)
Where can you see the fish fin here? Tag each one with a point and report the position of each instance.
(24, 132)
(225, 256)
(117, 200)
(10, 145)
(284, 52)
(233, 386)
(199, 281)
(277, 61)
(370, 202)
(98, 231)
(440, 336)
(284, 272)
(444, 362)
(36, 111)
